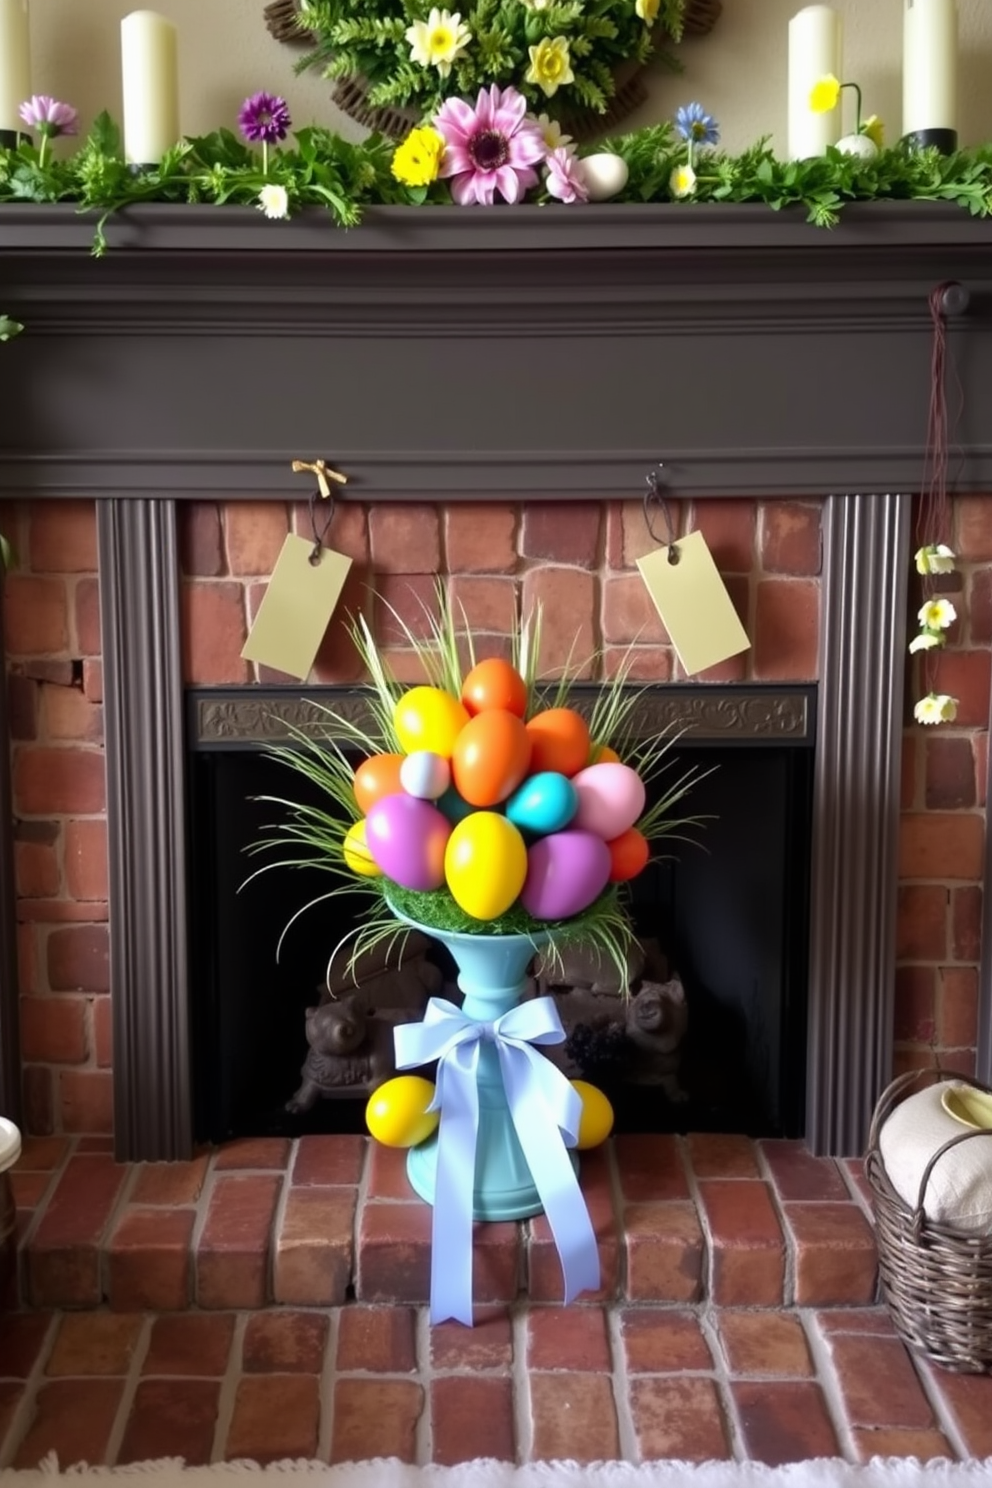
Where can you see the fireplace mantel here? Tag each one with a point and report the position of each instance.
(455, 353)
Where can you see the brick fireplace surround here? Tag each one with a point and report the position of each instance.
(147, 512)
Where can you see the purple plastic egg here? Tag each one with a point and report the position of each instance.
(611, 798)
(565, 873)
(407, 838)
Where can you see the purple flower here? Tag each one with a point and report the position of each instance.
(49, 117)
(264, 119)
(696, 126)
(489, 148)
(565, 178)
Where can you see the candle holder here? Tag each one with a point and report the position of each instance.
(945, 141)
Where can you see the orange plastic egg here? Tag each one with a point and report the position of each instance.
(602, 754)
(376, 777)
(491, 757)
(494, 683)
(559, 741)
(629, 853)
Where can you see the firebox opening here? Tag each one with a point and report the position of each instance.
(726, 917)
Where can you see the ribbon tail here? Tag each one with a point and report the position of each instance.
(454, 1190)
(554, 1178)
(566, 1210)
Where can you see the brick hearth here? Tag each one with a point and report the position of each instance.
(267, 1300)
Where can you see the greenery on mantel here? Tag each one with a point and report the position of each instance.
(323, 169)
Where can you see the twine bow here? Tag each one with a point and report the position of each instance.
(322, 471)
(545, 1111)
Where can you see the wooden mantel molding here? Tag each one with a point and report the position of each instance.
(422, 352)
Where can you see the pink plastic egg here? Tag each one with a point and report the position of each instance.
(565, 873)
(407, 837)
(611, 798)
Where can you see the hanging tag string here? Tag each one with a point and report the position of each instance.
(325, 475)
(654, 497)
(319, 537)
(933, 524)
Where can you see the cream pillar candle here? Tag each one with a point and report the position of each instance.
(15, 63)
(151, 86)
(930, 65)
(814, 50)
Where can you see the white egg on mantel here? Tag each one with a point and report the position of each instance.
(604, 175)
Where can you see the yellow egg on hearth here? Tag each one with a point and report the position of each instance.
(596, 1121)
(397, 1115)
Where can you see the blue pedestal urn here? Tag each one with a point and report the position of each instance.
(492, 976)
(508, 1118)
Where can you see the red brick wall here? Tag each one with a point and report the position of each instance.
(580, 562)
(942, 841)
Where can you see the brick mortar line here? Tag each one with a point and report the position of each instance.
(722, 1378)
(117, 1210)
(620, 1380)
(790, 1265)
(523, 1408)
(40, 1209)
(24, 1415)
(278, 1220)
(828, 1378)
(940, 1405)
(132, 1380)
(325, 1385)
(708, 1259)
(227, 1394)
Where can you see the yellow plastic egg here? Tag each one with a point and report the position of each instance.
(485, 863)
(596, 1121)
(397, 1114)
(429, 718)
(356, 851)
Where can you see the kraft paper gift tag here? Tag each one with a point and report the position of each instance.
(298, 604)
(692, 600)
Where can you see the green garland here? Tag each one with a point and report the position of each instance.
(325, 170)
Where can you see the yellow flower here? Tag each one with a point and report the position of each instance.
(875, 130)
(824, 94)
(437, 41)
(417, 160)
(682, 181)
(550, 66)
(647, 10)
(551, 133)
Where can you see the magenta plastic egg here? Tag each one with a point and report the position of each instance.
(425, 774)
(611, 798)
(565, 873)
(407, 837)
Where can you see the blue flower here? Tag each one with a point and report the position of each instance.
(696, 126)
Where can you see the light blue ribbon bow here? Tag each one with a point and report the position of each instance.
(545, 1110)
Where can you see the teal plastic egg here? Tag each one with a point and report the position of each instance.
(545, 803)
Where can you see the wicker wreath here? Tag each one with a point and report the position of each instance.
(282, 18)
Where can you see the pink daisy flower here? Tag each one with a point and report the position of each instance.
(489, 148)
(565, 179)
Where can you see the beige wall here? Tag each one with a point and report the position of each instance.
(738, 72)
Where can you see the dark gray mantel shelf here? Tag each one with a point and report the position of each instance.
(470, 353)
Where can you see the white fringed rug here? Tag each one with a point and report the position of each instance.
(821, 1472)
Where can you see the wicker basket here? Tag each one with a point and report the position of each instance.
(936, 1280)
